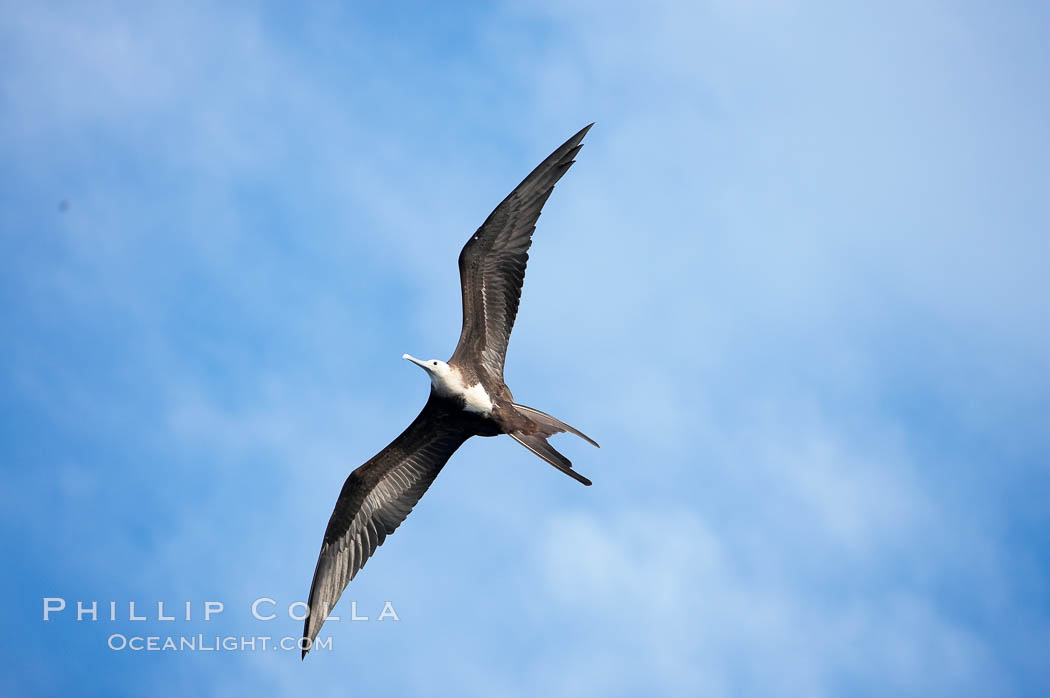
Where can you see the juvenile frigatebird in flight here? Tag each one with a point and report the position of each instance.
(467, 396)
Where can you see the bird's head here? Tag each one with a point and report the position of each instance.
(438, 370)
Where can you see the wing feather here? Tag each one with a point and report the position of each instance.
(492, 263)
(375, 499)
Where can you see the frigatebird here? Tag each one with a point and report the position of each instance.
(467, 396)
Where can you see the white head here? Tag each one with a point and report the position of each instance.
(439, 371)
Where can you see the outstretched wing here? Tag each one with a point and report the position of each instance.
(492, 264)
(376, 498)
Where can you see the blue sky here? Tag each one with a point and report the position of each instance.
(795, 285)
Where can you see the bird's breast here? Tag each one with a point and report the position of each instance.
(475, 397)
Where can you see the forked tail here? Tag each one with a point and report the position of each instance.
(536, 442)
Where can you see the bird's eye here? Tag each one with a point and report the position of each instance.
(435, 363)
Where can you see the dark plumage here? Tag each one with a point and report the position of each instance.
(468, 396)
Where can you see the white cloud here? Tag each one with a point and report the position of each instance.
(687, 612)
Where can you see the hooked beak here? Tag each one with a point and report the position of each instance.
(417, 362)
